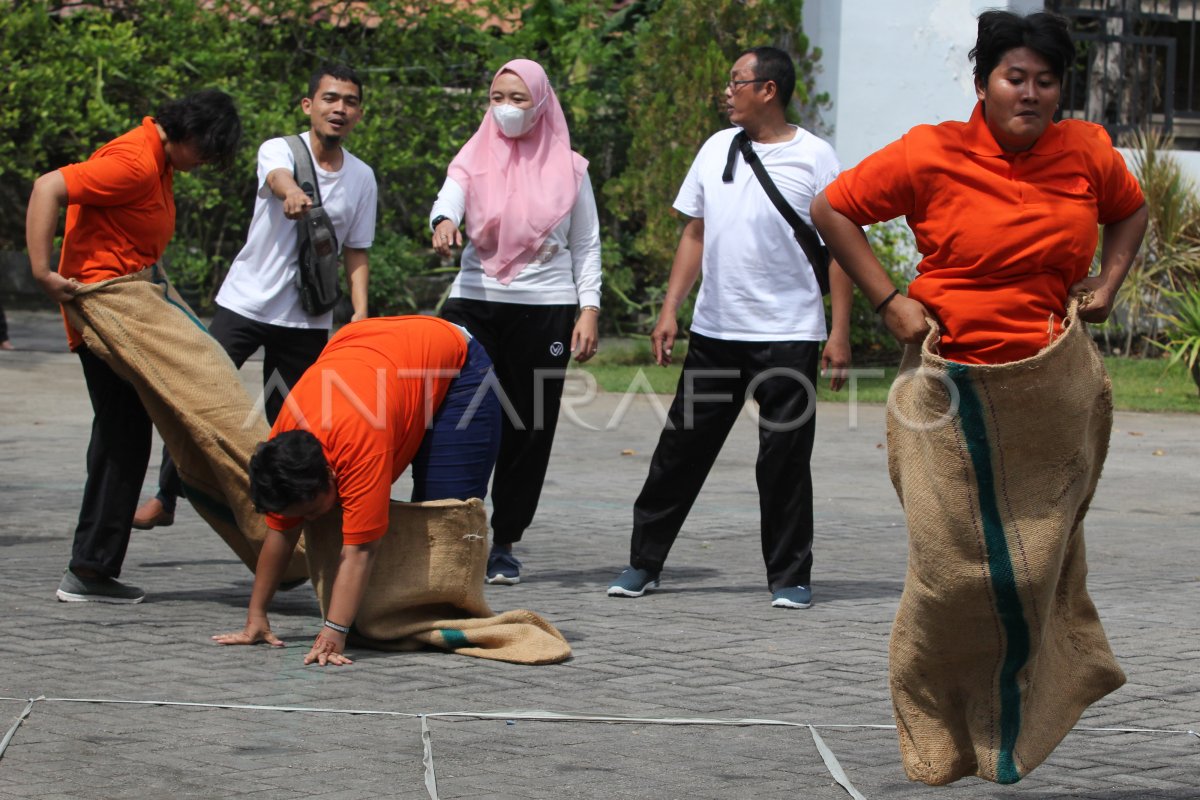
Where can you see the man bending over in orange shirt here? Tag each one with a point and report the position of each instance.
(385, 393)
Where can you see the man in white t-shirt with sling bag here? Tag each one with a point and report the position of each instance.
(756, 331)
(260, 304)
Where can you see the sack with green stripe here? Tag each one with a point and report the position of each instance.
(147, 334)
(426, 586)
(997, 648)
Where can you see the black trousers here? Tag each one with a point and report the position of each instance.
(287, 353)
(530, 346)
(117, 456)
(718, 376)
(3, 326)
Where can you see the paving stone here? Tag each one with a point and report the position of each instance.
(706, 645)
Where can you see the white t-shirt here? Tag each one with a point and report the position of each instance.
(261, 283)
(564, 271)
(757, 285)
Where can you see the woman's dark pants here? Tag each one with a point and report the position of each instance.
(530, 346)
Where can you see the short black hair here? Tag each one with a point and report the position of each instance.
(1048, 35)
(773, 64)
(208, 119)
(336, 71)
(286, 470)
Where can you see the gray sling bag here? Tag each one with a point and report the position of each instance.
(317, 274)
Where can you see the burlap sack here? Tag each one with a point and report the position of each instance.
(997, 648)
(426, 587)
(141, 328)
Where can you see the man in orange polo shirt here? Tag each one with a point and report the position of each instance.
(383, 394)
(120, 217)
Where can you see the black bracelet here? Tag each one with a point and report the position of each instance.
(879, 308)
(336, 627)
(438, 220)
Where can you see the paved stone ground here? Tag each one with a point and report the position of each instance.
(707, 645)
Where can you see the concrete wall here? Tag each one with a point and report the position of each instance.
(888, 66)
(1189, 162)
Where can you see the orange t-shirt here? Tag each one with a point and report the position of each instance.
(1003, 235)
(120, 210)
(368, 399)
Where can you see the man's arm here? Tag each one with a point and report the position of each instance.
(835, 357)
(685, 269)
(283, 185)
(357, 272)
(349, 585)
(41, 221)
(273, 560)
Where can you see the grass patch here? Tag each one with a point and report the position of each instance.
(1138, 384)
(1145, 384)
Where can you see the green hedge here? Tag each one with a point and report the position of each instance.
(640, 88)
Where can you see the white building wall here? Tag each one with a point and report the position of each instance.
(888, 66)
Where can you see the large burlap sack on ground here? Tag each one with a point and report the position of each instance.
(142, 329)
(426, 587)
(997, 648)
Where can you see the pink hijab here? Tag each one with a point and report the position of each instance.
(518, 190)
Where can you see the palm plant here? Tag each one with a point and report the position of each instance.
(1170, 256)
(1184, 330)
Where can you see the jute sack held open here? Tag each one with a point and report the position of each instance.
(426, 586)
(996, 648)
(141, 328)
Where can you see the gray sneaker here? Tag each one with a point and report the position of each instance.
(74, 589)
(633, 583)
(792, 597)
(502, 568)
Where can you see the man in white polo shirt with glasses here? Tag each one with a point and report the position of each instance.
(756, 332)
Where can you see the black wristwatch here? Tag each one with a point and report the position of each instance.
(438, 220)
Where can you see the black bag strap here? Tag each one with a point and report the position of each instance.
(305, 171)
(805, 235)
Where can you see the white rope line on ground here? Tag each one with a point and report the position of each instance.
(544, 716)
(427, 758)
(833, 765)
(555, 716)
(1133, 730)
(13, 730)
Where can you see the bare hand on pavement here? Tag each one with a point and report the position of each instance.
(327, 649)
(253, 633)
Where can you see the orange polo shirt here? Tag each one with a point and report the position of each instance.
(120, 210)
(368, 399)
(1003, 235)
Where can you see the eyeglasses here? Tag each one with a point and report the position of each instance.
(733, 85)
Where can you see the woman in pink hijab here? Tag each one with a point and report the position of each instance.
(529, 282)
